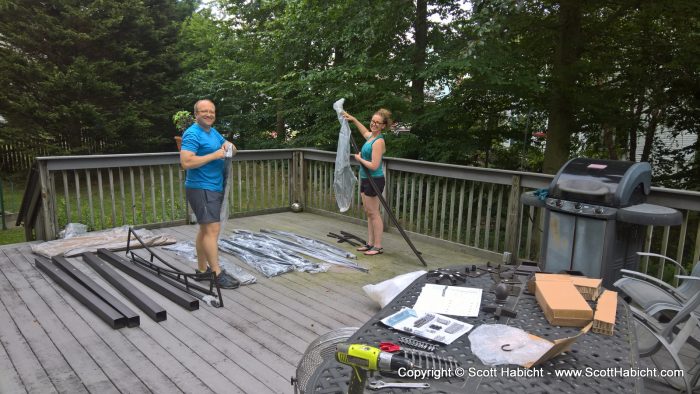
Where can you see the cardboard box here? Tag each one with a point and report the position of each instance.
(558, 347)
(562, 304)
(604, 319)
(588, 287)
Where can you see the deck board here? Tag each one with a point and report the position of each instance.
(54, 362)
(52, 343)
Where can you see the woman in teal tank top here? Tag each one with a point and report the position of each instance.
(370, 156)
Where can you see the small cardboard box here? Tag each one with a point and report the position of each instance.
(562, 304)
(558, 347)
(604, 320)
(588, 287)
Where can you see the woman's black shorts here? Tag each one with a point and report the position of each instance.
(206, 204)
(366, 187)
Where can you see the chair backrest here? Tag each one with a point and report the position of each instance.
(690, 287)
(686, 311)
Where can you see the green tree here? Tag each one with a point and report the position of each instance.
(80, 73)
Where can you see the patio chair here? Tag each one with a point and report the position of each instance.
(653, 295)
(668, 339)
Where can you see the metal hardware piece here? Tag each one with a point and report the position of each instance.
(380, 384)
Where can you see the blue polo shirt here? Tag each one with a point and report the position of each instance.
(211, 175)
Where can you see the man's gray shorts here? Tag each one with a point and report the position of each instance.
(206, 204)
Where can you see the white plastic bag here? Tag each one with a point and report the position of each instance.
(382, 293)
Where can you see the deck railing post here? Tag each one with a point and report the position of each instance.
(512, 238)
(303, 176)
(47, 208)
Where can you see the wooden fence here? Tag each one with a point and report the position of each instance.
(18, 156)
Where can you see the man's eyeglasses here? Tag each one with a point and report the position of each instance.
(206, 112)
(373, 123)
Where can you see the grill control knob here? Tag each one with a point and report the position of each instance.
(598, 210)
(577, 205)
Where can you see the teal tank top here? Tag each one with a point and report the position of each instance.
(366, 154)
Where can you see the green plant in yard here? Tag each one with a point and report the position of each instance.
(182, 120)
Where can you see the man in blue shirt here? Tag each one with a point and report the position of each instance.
(202, 155)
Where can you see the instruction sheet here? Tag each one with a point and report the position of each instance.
(449, 300)
(431, 326)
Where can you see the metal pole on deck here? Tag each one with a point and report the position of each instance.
(387, 209)
(2, 207)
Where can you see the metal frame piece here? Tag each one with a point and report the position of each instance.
(132, 318)
(388, 210)
(156, 283)
(175, 277)
(141, 300)
(103, 310)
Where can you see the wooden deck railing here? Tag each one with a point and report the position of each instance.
(474, 208)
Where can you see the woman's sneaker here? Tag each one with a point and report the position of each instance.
(226, 281)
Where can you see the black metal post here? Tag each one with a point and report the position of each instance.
(141, 300)
(2, 207)
(386, 207)
(105, 312)
(178, 296)
(132, 318)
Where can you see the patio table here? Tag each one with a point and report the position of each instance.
(608, 364)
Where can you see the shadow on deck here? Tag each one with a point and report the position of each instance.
(50, 342)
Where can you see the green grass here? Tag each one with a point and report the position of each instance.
(12, 193)
(12, 236)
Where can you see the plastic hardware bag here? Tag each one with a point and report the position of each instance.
(497, 344)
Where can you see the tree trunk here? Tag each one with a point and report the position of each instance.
(609, 141)
(421, 37)
(633, 130)
(649, 134)
(562, 112)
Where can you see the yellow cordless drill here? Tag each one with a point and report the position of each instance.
(363, 358)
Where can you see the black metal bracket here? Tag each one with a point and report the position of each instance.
(353, 236)
(174, 276)
(342, 238)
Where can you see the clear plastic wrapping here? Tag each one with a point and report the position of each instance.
(298, 248)
(188, 251)
(344, 178)
(268, 260)
(312, 244)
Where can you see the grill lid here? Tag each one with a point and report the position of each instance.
(612, 183)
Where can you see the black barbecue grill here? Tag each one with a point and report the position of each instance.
(595, 217)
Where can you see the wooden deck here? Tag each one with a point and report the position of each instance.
(52, 343)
